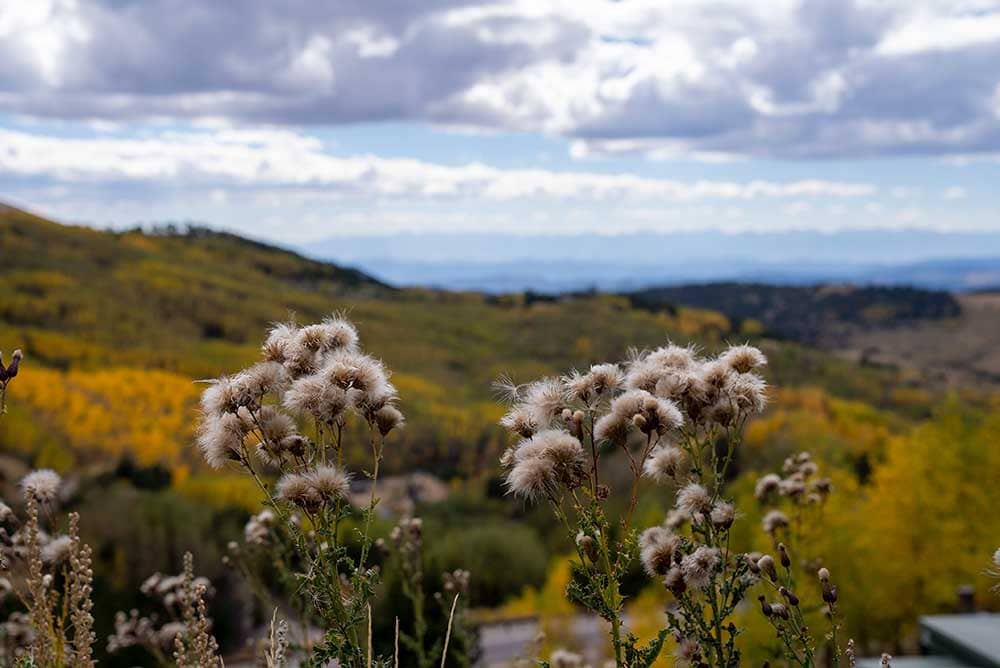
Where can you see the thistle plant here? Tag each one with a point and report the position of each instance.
(451, 601)
(50, 575)
(675, 418)
(794, 500)
(179, 632)
(289, 417)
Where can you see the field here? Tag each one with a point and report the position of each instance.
(118, 327)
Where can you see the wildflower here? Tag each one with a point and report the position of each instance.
(694, 500)
(275, 426)
(743, 359)
(748, 392)
(260, 379)
(588, 545)
(666, 463)
(687, 653)
(355, 371)
(657, 546)
(520, 421)
(723, 514)
(219, 398)
(42, 485)
(792, 487)
(57, 550)
(599, 380)
(560, 449)
(779, 610)
(564, 659)
(298, 489)
(699, 566)
(766, 485)
(612, 428)
(766, 565)
(672, 357)
(388, 418)
(774, 520)
(220, 439)
(313, 395)
(532, 479)
(643, 375)
(329, 483)
(279, 338)
(674, 580)
(544, 400)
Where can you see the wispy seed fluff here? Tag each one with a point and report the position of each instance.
(298, 490)
(260, 379)
(355, 371)
(743, 359)
(687, 653)
(599, 380)
(42, 485)
(565, 659)
(544, 400)
(665, 464)
(219, 398)
(388, 418)
(699, 566)
(220, 439)
(548, 457)
(723, 515)
(694, 500)
(279, 338)
(520, 421)
(657, 546)
(57, 550)
(329, 483)
(313, 395)
(657, 415)
(774, 520)
(767, 485)
(533, 479)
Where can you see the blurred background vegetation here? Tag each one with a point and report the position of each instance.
(117, 327)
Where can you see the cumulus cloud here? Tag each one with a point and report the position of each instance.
(711, 79)
(262, 159)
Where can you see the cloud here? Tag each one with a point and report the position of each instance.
(709, 79)
(222, 159)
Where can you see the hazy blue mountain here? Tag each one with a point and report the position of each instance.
(500, 263)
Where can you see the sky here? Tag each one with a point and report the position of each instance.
(299, 121)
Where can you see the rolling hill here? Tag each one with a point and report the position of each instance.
(117, 325)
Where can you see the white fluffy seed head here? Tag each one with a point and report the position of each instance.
(774, 520)
(699, 566)
(42, 485)
(743, 358)
(220, 439)
(57, 550)
(329, 483)
(656, 550)
(219, 397)
(767, 485)
(533, 479)
(519, 420)
(544, 400)
(694, 500)
(665, 464)
(388, 418)
(298, 490)
(279, 338)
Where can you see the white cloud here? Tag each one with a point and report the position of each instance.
(701, 78)
(955, 192)
(222, 159)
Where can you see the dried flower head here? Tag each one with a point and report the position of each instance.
(220, 439)
(699, 566)
(657, 546)
(532, 479)
(767, 485)
(329, 483)
(666, 463)
(388, 418)
(298, 490)
(694, 500)
(42, 485)
(519, 420)
(743, 359)
(723, 515)
(774, 520)
(57, 550)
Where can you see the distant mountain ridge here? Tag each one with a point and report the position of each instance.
(552, 264)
